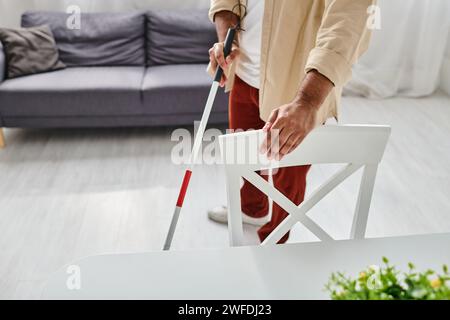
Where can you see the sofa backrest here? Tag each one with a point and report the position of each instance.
(158, 37)
(176, 37)
(104, 39)
(2, 63)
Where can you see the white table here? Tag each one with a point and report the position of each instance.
(293, 271)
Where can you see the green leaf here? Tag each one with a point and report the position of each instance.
(391, 284)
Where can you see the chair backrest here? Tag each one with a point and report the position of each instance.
(358, 146)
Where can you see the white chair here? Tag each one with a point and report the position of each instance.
(358, 146)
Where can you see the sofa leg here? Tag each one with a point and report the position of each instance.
(2, 139)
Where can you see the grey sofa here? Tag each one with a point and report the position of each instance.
(124, 69)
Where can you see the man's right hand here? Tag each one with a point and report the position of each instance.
(223, 21)
(217, 58)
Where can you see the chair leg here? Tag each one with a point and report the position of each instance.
(363, 203)
(235, 227)
(2, 139)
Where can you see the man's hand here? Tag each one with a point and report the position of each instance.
(217, 58)
(223, 21)
(294, 121)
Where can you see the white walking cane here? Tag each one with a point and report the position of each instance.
(198, 140)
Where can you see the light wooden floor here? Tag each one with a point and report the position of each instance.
(65, 194)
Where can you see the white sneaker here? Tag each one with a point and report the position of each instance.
(220, 214)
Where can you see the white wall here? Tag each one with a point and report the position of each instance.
(10, 10)
(445, 79)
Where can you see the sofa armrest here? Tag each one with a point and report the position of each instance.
(2, 63)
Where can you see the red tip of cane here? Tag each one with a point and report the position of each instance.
(184, 186)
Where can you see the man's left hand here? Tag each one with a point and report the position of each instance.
(294, 121)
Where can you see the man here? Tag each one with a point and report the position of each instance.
(286, 72)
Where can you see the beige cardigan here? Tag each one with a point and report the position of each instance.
(301, 35)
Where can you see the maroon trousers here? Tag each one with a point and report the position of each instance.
(244, 114)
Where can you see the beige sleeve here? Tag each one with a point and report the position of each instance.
(342, 38)
(222, 5)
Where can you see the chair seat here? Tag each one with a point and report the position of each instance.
(77, 91)
(179, 89)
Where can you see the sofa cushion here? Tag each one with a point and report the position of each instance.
(179, 89)
(77, 91)
(104, 39)
(29, 51)
(179, 37)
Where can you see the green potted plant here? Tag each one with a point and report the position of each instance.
(386, 283)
